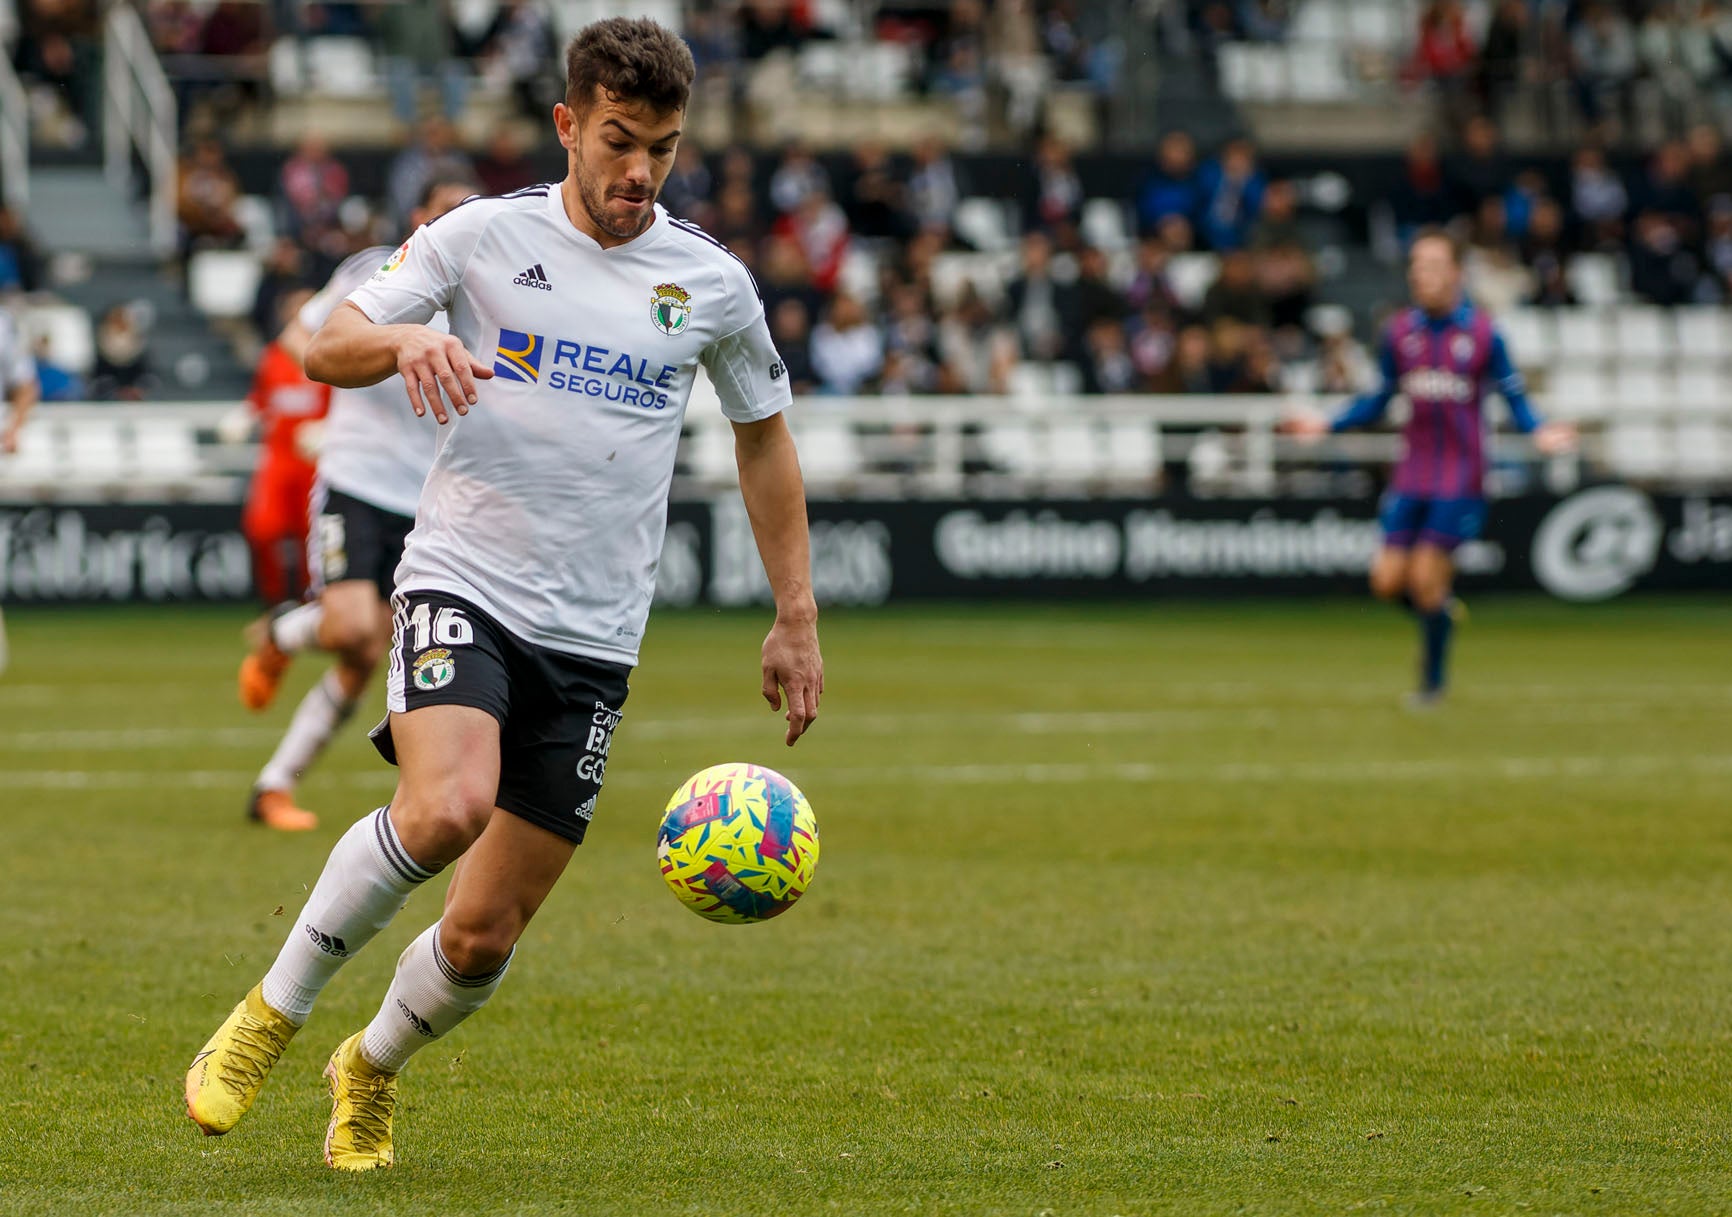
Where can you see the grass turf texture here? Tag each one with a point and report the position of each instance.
(1122, 910)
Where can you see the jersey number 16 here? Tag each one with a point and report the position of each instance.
(450, 628)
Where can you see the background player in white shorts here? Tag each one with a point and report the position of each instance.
(20, 389)
(372, 461)
(584, 310)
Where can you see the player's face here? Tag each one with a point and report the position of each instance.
(621, 152)
(1433, 276)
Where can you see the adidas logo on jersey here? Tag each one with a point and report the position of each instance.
(534, 277)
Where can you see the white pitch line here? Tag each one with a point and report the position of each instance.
(1039, 722)
(1508, 768)
(122, 739)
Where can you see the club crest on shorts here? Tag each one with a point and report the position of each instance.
(434, 669)
(670, 308)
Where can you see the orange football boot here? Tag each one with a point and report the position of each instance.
(276, 809)
(262, 670)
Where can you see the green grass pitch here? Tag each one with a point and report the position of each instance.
(1127, 910)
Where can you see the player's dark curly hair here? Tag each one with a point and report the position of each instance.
(632, 60)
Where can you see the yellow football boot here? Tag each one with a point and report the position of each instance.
(362, 1100)
(228, 1073)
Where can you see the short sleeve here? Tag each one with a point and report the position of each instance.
(418, 280)
(750, 377)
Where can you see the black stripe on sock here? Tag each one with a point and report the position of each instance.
(394, 852)
(467, 982)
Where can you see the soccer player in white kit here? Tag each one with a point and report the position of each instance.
(579, 313)
(374, 457)
(20, 388)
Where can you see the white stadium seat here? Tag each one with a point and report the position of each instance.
(258, 219)
(71, 337)
(1530, 335)
(1639, 388)
(1191, 275)
(1251, 72)
(1376, 26)
(1105, 225)
(1704, 449)
(1642, 332)
(341, 67)
(1319, 21)
(1031, 381)
(1315, 72)
(951, 273)
(163, 448)
(1595, 279)
(223, 282)
(1704, 333)
(1011, 447)
(1133, 449)
(1583, 335)
(1637, 449)
(1577, 392)
(828, 448)
(984, 223)
(1071, 451)
(287, 73)
(94, 450)
(1702, 386)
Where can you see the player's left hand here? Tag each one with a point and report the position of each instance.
(1555, 439)
(1304, 424)
(793, 664)
(8, 439)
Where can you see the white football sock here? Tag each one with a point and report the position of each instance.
(367, 880)
(316, 719)
(298, 629)
(428, 998)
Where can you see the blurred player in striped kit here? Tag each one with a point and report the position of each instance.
(1444, 355)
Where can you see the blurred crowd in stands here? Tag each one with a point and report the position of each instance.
(870, 282)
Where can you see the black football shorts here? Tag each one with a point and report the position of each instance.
(556, 712)
(350, 538)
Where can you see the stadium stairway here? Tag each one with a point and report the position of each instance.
(74, 211)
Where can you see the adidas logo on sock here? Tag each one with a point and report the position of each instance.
(420, 1024)
(534, 277)
(330, 944)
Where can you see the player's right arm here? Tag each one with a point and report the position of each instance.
(1368, 408)
(351, 351)
(382, 327)
(1362, 411)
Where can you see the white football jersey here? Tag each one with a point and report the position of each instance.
(375, 449)
(547, 503)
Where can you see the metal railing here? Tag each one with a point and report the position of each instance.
(927, 447)
(14, 138)
(140, 119)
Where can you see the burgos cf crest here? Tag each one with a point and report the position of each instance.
(519, 356)
(670, 308)
(434, 669)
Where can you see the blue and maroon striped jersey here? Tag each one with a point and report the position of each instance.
(1444, 366)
